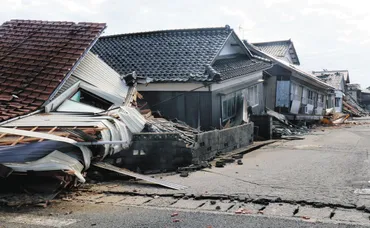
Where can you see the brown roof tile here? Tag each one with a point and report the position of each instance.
(35, 56)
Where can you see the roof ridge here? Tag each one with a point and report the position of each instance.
(52, 22)
(274, 41)
(225, 28)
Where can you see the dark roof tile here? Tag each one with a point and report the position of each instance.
(35, 56)
(279, 49)
(172, 55)
(239, 66)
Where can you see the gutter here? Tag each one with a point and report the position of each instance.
(20, 117)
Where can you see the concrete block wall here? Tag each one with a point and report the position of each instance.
(211, 143)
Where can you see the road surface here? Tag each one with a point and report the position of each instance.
(321, 181)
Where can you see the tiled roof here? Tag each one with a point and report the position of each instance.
(279, 49)
(293, 68)
(172, 55)
(345, 73)
(238, 66)
(333, 79)
(35, 57)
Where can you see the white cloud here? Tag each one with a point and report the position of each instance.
(337, 14)
(244, 22)
(270, 3)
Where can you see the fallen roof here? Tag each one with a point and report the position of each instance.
(36, 57)
(333, 79)
(172, 55)
(286, 65)
(279, 49)
(345, 73)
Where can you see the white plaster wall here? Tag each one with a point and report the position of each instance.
(230, 50)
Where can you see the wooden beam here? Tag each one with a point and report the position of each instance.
(49, 132)
(22, 137)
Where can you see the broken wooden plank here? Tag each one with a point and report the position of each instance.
(22, 137)
(49, 132)
(126, 172)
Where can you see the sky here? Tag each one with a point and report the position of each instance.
(327, 34)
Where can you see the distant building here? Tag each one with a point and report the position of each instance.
(283, 50)
(338, 80)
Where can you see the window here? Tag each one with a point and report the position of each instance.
(337, 102)
(253, 95)
(88, 98)
(228, 106)
(310, 97)
(320, 100)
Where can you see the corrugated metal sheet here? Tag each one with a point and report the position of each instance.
(130, 121)
(94, 71)
(72, 80)
(132, 118)
(53, 161)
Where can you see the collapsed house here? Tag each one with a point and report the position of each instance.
(64, 110)
(347, 96)
(337, 80)
(299, 95)
(205, 78)
(61, 107)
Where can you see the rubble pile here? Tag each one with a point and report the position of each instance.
(350, 106)
(186, 133)
(281, 127)
(333, 118)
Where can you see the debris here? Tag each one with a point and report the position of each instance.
(218, 208)
(282, 127)
(68, 213)
(243, 211)
(240, 162)
(296, 210)
(237, 156)
(184, 174)
(332, 213)
(212, 202)
(220, 164)
(112, 168)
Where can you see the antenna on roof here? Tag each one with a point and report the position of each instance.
(241, 31)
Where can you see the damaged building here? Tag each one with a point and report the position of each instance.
(61, 107)
(205, 78)
(347, 96)
(200, 76)
(297, 94)
(64, 110)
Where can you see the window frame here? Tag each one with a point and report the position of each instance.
(226, 100)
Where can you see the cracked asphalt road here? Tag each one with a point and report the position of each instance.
(330, 166)
(327, 166)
